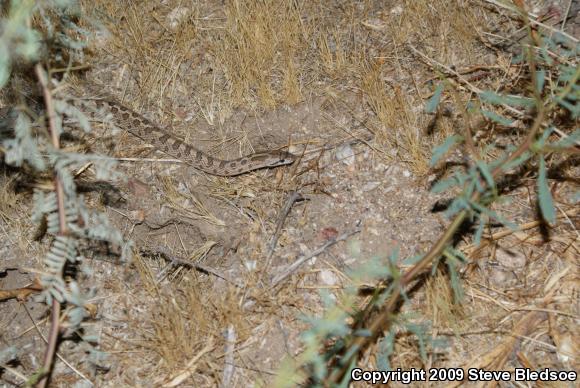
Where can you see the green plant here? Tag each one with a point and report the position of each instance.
(332, 346)
(33, 33)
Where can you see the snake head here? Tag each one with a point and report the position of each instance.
(266, 159)
(281, 158)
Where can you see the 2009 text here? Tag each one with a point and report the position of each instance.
(459, 374)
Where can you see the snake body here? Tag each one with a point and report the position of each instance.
(151, 133)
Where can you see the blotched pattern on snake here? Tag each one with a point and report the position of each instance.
(139, 126)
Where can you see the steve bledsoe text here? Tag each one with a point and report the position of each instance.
(460, 374)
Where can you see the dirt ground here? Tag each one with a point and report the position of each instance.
(341, 84)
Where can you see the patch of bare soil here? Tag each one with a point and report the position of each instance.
(211, 296)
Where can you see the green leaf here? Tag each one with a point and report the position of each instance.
(386, 347)
(497, 118)
(63, 3)
(562, 40)
(493, 215)
(568, 141)
(573, 108)
(457, 254)
(545, 197)
(517, 161)
(412, 260)
(492, 98)
(435, 99)
(540, 79)
(541, 142)
(470, 188)
(486, 173)
(420, 332)
(455, 281)
(442, 149)
(519, 58)
(546, 56)
(443, 185)
(71, 111)
(458, 204)
(29, 48)
(4, 63)
(500, 99)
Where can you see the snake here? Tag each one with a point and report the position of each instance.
(161, 139)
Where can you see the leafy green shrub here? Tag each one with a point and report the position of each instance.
(31, 33)
(333, 347)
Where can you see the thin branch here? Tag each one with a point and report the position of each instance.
(35, 326)
(292, 199)
(532, 19)
(63, 229)
(229, 366)
(175, 260)
(294, 266)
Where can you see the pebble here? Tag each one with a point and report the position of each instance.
(510, 259)
(370, 185)
(176, 16)
(327, 277)
(345, 154)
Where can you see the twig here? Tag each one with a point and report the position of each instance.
(565, 18)
(355, 139)
(14, 372)
(565, 136)
(532, 20)
(292, 199)
(190, 368)
(63, 228)
(35, 326)
(175, 260)
(474, 89)
(229, 367)
(198, 255)
(294, 266)
(21, 293)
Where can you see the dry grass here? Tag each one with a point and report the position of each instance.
(206, 61)
(258, 54)
(441, 304)
(12, 226)
(258, 50)
(446, 28)
(187, 317)
(156, 41)
(400, 126)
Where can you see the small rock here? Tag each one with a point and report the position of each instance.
(510, 259)
(250, 265)
(370, 186)
(175, 17)
(501, 278)
(567, 347)
(396, 11)
(345, 154)
(328, 233)
(182, 188)
(381, 167)
(327, 277)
